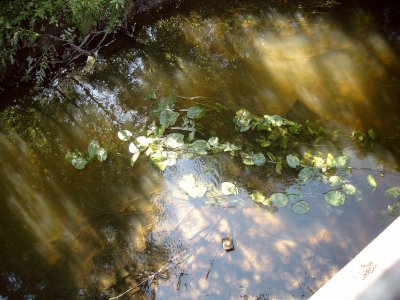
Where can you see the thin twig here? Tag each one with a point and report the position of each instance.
(151, 277)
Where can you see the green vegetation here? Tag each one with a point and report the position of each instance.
(36, 35)
(267, 142)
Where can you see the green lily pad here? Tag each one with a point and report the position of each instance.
(335, 198)
(258, 159)
(200, 147)
(243, 119)
(168, 118)
(101, 154)
(341, 162)
(213, 141)
(293, 161)
(372, 181)
(279, 200)
(93, 148)
(228, 188)
(174, 140)
(318, 162)
(393, 192)
(349, 189)
(195, 112)
(143, 142)
(300, 207)
(257, 197)
(335, 180)
(133, 149)
(189, 186)
(76, 159)
(124, 135)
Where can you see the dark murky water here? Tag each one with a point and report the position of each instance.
(93, 233)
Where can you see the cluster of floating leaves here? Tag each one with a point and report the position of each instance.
(79, 160)
(163, 151)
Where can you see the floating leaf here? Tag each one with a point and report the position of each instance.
(213, 141)
(168, 118)
(293, 161)
(189, 186)
(318, 162)
(134, 158)
(393, 192)
(133, 149)
(330, 160)
(174, 140)
(335, 198)
(243, 119)
(93, 148)
(228, 188)
(76, 159)
(349, 189)
(277, 121)
(341, 162)
(372, 181)
(258, 159)
(231, 147)
(258, 197)
(279, 200)
(143, 142)
(200, 147)
(195, 112)
(247, 159)
(335, 180)
(300, 207)
(101, 154)
(124, 135)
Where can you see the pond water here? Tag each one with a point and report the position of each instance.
(106, 229)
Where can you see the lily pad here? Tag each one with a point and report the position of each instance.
(335, 180)
(279, 200)
(133, 149)
(372, 181)
(76, 159)
(93, 148)
(259, 159)
(228, 188)
(101, 154)
(195, 112)
(213, 141)
(134, 158)
(258, 197)
(143, 142)
(335, 198)
(168, 118)
(393, 192)
(189, 186)
(330, 160)
(300, 207)
(243, 119)
(174, 140)
(200, 147)
(293, 161)
(341, 162)
(349, 189)
(124, 135)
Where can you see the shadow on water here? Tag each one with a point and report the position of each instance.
(94, 233)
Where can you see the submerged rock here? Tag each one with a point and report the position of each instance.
(227, 243)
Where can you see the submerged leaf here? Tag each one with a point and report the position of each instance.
(174, 140)
(168, 118)
(372, 181)
(278, 167)
(189, 186)
(300, 207)
(293, 161)
(195, 112)
(393, 192)
(279, 200)
(124, 135)
(228, 188)
(335, 198)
